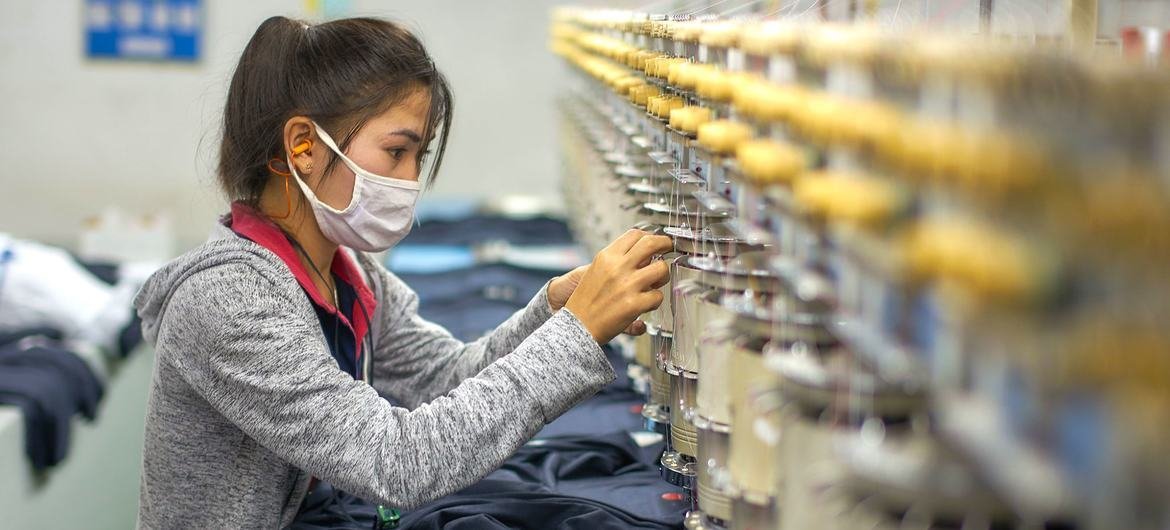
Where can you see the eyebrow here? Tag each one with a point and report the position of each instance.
(413, 136)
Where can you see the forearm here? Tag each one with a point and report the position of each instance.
(456, 439)
(418, 360)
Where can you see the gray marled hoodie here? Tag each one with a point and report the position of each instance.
(247, 404)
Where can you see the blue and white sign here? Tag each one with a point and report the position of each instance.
(166, 30)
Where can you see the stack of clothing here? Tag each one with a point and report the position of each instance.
(594, 467)
(42, 286)
(50, 385)
(61, 323)
(473, 270)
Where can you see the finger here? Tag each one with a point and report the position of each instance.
(648, 246)
(625, 242)
(645, 262)
(636, 328)
(649, 300)
(665, 280)
(654, 275)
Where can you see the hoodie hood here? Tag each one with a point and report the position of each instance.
(223, 247)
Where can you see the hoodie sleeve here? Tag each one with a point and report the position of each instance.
(258, 358)
(416, 361)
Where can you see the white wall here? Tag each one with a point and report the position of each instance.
(80, 135)
(495, 54)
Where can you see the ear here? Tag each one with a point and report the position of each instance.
(300, 143)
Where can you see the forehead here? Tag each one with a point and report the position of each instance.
(409, 112)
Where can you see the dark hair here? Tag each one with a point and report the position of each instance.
(339, 73)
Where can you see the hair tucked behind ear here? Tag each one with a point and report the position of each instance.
(339, 73)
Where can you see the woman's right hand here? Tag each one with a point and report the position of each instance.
(622, 283)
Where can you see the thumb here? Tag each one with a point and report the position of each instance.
(562, 287)
(574, 276)
(636, 328)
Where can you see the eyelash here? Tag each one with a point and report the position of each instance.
(398, 153)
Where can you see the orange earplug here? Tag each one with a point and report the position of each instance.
(302, 147)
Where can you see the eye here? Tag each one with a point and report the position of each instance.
(397, 153)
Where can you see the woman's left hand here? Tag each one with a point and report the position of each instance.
(562, 287)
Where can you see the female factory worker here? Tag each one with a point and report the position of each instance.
(277, 341)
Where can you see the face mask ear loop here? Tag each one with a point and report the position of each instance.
(288, 198)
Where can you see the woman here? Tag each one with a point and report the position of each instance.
(277, 341)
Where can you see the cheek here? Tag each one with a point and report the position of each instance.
(375, 161)
(382, 164)
(408, 169)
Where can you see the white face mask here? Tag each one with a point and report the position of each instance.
(379, 213)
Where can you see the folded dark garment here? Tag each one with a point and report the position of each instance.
(495, 281)
(48, 385)
(507, 504)
(609, 411)
(327, 508)
(489, 504)
(468, 318)
(477, 229)
(130, 337)
(11, 337)
(83, 387)
(609, 468)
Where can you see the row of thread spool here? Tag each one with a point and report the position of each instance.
(917, 280)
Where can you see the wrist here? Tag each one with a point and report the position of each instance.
(579, 316)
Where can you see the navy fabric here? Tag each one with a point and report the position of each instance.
(507, 504)
(472, 301)
(327, 508)
(469, 318)
(131, 336)
(576, 482)
(49, 385)
(495, 281)
(83, 385)
(478, 229)
(104, 271)
(11, 337)
(341, 341)
(610, 469)
(606, 412)
(46, 410)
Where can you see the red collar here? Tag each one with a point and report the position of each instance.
(249, 223)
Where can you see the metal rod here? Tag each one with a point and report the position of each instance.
(1082, 23)
(985, 9)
